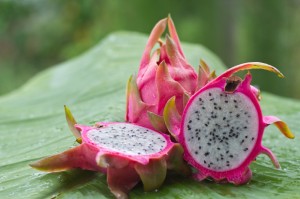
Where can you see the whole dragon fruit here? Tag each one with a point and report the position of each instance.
(163, 74)
(126, 152)
(222, 126)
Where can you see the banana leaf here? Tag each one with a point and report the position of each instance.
(32, 126)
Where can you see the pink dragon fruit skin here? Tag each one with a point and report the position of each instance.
(162, 75)
(125, 161)
(204, 142)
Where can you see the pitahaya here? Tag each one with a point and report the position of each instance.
(222, 126)
(162, 75)
(126, 152)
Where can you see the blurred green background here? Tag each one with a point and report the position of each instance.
(36, 34)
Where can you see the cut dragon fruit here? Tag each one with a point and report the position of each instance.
(127, 153)
(222, 126)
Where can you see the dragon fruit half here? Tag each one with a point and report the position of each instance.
(162, 75)
(222, 126)
(126, 152)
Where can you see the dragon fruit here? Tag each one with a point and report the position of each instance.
(222, 126)
(162, 75)
(126, 152)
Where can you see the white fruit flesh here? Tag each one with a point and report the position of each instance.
(220, 129)
(127, 139)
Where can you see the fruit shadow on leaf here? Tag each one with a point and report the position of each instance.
(68, 180)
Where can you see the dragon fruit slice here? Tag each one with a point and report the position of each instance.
(222, 126)
(126, 152)
(162, 75)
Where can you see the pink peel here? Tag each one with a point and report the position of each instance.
(162, 75)
(204, 75)
(167, 87)
(269, 153)
(174, 35)
(282, 126)
(157, 31)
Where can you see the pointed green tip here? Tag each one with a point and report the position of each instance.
(157, 122)
(71, 122)
(249, 66)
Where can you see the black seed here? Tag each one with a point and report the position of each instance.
(219, 148)
(203, 107)
(211, 99)
(208, 143)
(224, 118)
(226, 101)
(246, 136)
(190, 121)
(245, 149)
(228, 165)
(209, 94)
(242, 141)
(199, 147)
(237, 115)
(209, 166)
(235, 101)
(199, 138)
(227, 152)
(245, 127)
(236, 106)
(206, 154)
(196, 152)
(220, 108)
(204, 162)
(252, 138)
(231, 156)
(215, 103)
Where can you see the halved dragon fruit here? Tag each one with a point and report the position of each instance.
(126, 152)
(222, 126)
(163, 74)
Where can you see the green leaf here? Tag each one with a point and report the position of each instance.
(32, 126)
